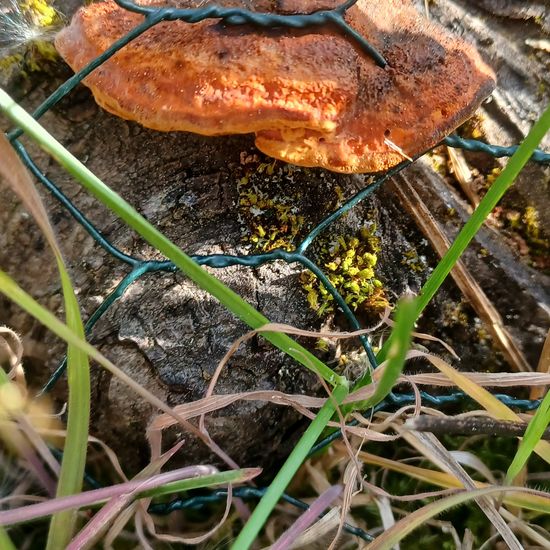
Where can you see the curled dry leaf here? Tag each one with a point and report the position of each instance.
(11, 352)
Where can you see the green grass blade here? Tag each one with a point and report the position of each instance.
(230, 299)
(78, 413)
(533, 435)
(472, 226)
(405, 317)
(286, 473)
(92, 499)
(232, 476)
(5, 541)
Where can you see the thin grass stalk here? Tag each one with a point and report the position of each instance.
(533, 435)
(286, 473)
(32, 512)
(78, 415)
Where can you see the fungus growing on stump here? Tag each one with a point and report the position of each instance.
(312, 96)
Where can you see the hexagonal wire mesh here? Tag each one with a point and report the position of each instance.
(139, 267)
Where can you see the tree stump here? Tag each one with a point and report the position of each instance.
(169, 335)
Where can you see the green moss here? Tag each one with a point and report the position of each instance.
(539, 20)
(274, 208)
(492, 176)
(454, 314)
(527, 222)
(349, 263)
(267, 208)
(530, 221)
(37, 19)
(438, 161)
(39, 57)
(322, 345)
(472, 128)
(451, 212)
(541, 90)
(526, 225)
(42, 13)
(539, 246)
(414, 261)
(483, 336)
(6, 63)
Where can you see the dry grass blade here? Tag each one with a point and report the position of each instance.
(485, 399)
(109, 453)
(352, 485)
(215, 402)
(301, 403)
(469, 459)
(11, 351)
(15, 176)
(198, 539)
(386, 513)
(485, 379)
(543, 367)
(268, 328)
(317, 507)
(91, 532)
(536, 503)
(21, 417)
(314, 536)
(466, 283)
(522, 526)
(432, 449)
(463, 174)
(429, 337)
(401, 529)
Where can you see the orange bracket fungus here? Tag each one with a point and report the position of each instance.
(312, 96)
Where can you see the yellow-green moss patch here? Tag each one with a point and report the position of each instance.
(527, 235)
(271, 204)
(349, 263)
(26, 31)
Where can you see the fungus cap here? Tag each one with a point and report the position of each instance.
(311, 96)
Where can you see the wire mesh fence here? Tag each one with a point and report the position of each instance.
(138, 267)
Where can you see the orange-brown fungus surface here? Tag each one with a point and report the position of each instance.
(312, 97)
